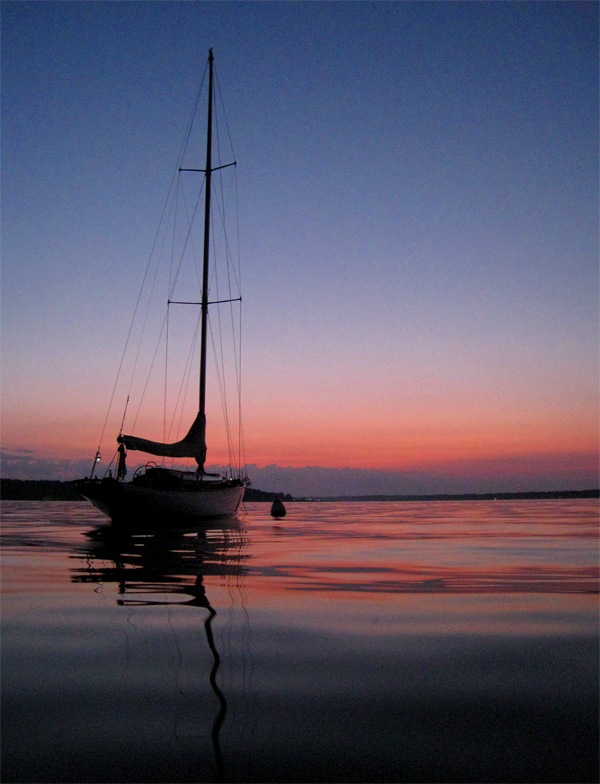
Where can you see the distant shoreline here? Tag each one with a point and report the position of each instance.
(465, 496)
(53, 490)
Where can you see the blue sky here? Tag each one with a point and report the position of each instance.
(418, 188)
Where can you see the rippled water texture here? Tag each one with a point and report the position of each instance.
(387, 642)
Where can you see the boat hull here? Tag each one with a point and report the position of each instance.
(126, 501)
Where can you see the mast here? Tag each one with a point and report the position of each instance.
(204, 303)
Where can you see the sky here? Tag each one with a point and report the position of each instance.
(418, 207)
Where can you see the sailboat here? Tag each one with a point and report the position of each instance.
(157, 491)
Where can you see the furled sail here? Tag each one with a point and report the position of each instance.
(193, 445)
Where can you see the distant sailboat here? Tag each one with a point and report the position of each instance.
(167, 493)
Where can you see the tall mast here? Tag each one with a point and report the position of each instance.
(204, 304)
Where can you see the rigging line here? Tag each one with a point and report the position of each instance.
(149, 373)
(112, 460)
(191, 238)
(218, 140)
(219, 93)
(235, 334)
(174, 232)
(228, 258)
(124, 415)
(238, 368)
(216, 136)
(133, 320)
(186, 139)
(163, 229)
(185, 381)
(192, 117)
(166, 376)
(238, 271)
(229, 268)
(180, 158)
(236, 355)
(216, 284)
(172, 286)
(222, 234)
(237, 229)
(185, 244)
(185, 145)
(222, 390)
(145, 321)
(223, 207)
(231, 271)
(173, 213)
(189, 375)
(216, 235)
(241, 443)
(220, 369)
(222, 358)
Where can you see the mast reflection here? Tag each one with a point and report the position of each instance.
(174, 562)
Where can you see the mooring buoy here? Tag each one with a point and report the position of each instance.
(278, 509)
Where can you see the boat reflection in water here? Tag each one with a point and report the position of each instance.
(155, 566)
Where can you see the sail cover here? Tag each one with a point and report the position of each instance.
(193, 445)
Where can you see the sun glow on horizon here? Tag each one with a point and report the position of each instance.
(412, 444)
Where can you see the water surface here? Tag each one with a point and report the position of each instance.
(392, 641)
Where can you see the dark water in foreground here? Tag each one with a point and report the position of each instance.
(386, 642)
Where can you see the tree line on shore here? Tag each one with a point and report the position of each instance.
(53, 490)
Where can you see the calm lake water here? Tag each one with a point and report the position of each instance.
(383, 642)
